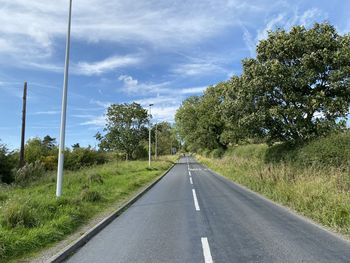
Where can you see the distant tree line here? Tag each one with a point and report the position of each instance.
(296, 89)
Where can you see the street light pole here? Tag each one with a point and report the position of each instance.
(156, 143)
(64, 109)
(149, 137)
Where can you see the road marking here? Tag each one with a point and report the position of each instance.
(206, 250)
(195, 200)
(189, 173)
(191, 180)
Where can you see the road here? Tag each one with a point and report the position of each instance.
(194, 215)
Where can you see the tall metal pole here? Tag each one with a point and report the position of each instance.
(149, 137)
(64, 109)
(21, 154)
(156, 142)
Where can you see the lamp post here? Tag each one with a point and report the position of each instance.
(156, 143)
(64, 109)
(149, 136)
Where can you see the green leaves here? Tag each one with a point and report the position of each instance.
(297, 88)
(125, 128)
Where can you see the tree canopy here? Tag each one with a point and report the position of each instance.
(296, 89)
(125, 128)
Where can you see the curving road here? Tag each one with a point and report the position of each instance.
(194, 215)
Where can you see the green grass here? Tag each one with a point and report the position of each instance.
(313, 179)
(31, 217)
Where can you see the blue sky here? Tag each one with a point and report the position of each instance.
(122, 51)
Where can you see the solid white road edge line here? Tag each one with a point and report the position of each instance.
(191, 180)
(195, 200)
(206, 250)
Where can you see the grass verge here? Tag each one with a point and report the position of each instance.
(319, 190)
(32, 218)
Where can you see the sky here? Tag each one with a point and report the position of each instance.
(123, 51)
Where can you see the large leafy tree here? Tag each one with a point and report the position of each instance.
(125, 128)
(298, 87)
(199, 120)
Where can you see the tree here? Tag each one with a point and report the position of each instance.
(125, 128)
(298, 87)
(199, 121)
(49, 142)
(166, 138)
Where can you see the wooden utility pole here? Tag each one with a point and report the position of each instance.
(21, 154)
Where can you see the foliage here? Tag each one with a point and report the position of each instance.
(295, 90)
(7, 163)
(330, 151)
(166, 137)
(30, 172)
(299, 85)
(199, 121)
(125, 128)
(316, 187)
(83, 157)
(37, 149)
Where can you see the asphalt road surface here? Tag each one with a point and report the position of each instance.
(194, 215)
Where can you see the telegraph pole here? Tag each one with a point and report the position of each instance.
(149, 137)
(64, 109)
(24, 110)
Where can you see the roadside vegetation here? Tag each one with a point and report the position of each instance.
(31, 217)
(281, 127)
(313, 180)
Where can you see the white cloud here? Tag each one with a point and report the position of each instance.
(194, 90)
(133, 86)
(195, 69)
(31, 30)
(284, 20)
(98, 121)
(106, 65)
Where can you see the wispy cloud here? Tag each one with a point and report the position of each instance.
(106, 65)
(133, 86)
(98, 121)
(284, 20)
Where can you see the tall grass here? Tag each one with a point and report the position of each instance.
(313, 179)
(32, 217)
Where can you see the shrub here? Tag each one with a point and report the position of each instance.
(50, 162)
(19, 213)
(82, 157)
(6, 165)
(30, 172)
(140, 152)
(90, 196)
(217, 153)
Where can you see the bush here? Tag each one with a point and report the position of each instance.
(333, 150)
(217, 153)
(6, 165)
(140, 153)
(90, 196)
(19, 213)
(50, 162)
(83, 157)
(30, 172)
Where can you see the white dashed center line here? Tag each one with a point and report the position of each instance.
(206, 250)
(196, 205)
(191, 180)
